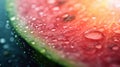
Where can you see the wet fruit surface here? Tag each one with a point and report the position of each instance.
(85, 31)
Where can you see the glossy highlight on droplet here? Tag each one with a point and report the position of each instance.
(94, 35)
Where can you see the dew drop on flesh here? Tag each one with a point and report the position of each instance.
(93, 35)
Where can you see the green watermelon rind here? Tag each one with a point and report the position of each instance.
(20, 28)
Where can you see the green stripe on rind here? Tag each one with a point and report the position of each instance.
(44, 49)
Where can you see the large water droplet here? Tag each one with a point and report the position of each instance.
(115, 48)
(93, 35)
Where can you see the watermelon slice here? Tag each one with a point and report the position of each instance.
(74, 33)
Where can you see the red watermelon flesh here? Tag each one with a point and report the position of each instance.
(82, 31)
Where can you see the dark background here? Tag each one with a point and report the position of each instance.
(11, 55)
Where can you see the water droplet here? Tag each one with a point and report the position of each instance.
(32, 43)
(117, 31)
(98, 46)
(41, 31)
(6, 46)
(33, 6)
(56, 8)
(101, 29)
(65, 27)
(114, 65)
(33, 19)
(72, 46)
(7, 21)
(13, 56)
(115, 48)
(66, 42)
(32, 32)
(7, 26)
(28, 65)
(116, 39)
(113, 13)
(53, 30)
(12, 18)
(11, 39)
(24, 52)
(51, 1)
(37, 9)
(41, 13)
(85, 19)
(9, 61)
(93, 18)
(25, 31)
(55, 40)
(2, 40)
(43, 51)
(93, 35)
(26, 27)
(16, 36)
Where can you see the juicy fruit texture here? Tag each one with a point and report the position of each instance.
(82, 31)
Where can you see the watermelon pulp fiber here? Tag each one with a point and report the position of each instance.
(78, 31)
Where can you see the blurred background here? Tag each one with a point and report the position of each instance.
(11, 54)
